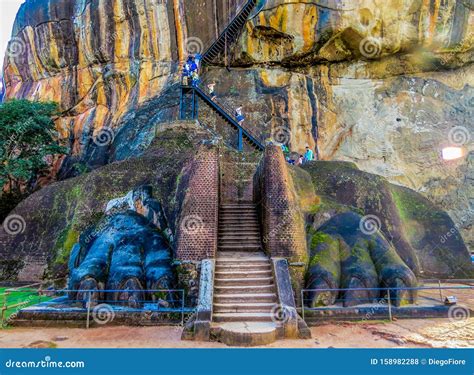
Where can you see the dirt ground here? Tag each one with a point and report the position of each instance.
(437, 333)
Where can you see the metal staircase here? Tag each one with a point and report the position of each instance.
(189, 110)
(230, 34)
(190, 95)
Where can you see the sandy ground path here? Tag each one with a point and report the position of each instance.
(399, 334)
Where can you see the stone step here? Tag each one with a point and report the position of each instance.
(238, 211)
(238, 214)
(241, 205)
(240, 230)
(224, 260)
(243, 307)
(247, 334)
(237, 221)
(246, 281)
(237, 243)
(244, 268)
(270, 288)
(239, 237)
(240, 247)
(245, 298)
(243, 317)
(250, 218)
(242, 273)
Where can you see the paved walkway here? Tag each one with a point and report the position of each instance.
(402, 333)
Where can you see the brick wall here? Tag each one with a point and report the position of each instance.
(236, 176)
(282, 220)
(197, 230)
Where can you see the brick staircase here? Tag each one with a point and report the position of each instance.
(244, 289)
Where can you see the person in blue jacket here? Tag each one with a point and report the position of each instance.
(309, 155)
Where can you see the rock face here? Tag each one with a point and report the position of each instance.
(38, 236)
(386, 86)
(101, 59)
(364, 232)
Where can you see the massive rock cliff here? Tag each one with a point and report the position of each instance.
(384, 84)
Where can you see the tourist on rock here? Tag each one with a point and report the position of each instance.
(309, 155)
(239, 115)
(186, 74)
(195, 78)
(211, 87)
(192, 64)
(300, 161)
(198, 59)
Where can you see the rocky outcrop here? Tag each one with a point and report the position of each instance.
(101, 59)
(386, 221)
(386, 86)
(38, 236)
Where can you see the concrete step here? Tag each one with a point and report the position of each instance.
(246, 334)
(238, 211)
(226, 243)
(244, 215)
(240, 247)
(240, 230)
(246, 281)
(237, 237)
(270, 288)
(238, 221)
(243, 317)
(240, 274)
(243, 307)
(242, 205)
(244, 268)
(224, 298)
(251, 259)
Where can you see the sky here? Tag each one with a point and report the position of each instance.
(8, 10)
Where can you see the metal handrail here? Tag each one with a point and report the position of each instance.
(231, 113)
(223, 34)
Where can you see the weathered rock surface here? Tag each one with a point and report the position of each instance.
(361, 222)
(386, 86)
(49, 222)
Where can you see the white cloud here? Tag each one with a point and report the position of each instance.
(8, 11)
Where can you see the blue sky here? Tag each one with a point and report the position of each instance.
(8, 10)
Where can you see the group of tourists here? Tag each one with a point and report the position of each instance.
(191, 69)
(301, 160)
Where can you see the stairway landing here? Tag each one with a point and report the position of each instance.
(245, 299)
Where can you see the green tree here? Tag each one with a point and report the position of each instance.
(27, 137)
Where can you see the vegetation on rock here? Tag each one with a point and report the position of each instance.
(27, 139)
